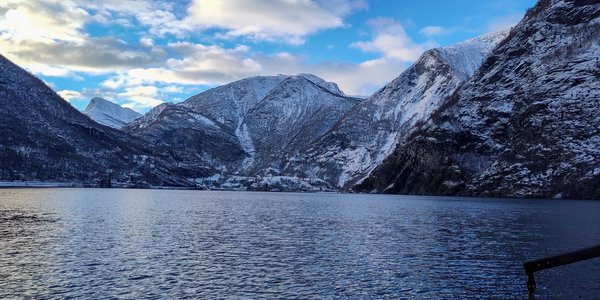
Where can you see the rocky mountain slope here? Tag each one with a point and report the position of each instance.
(197, 139)
(110, 114)
(526, 125)
(368, 133)
(42, 137)
(246, 128)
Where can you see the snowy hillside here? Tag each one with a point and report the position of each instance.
(296, 113)
(526, 125)
(247, 127)
(369, 132)
(109, 113)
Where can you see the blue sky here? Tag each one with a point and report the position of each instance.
(141, 53)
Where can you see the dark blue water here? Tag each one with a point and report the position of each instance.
(93, 243)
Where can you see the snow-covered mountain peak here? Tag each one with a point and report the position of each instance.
(466, 57)
(109, 113)
(98, 103)
(305, 82)
(229, 103)
(330, 86)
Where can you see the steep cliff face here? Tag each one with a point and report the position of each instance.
(109, 113)
(42, 137)
(368, 133)
(247, 127)
(526, 125)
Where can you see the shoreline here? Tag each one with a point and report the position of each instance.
(40, 184)
(33, 184)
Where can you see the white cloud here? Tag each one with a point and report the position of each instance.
(199, 65)
(41, 21)
(172, 89)
(391, 40)
(430, 31)
(287, 20)
(93, 55)
(44, 69)
(47, 37)
(365, 78)
(343, 7)
(140, 97)
(70, 95)
(162, 22)
(147, 42)
(212, 65)
(123, 7)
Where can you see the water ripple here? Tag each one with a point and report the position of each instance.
(83, 243)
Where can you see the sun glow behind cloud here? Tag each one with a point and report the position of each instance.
(141, 53)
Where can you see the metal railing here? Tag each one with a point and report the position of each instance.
(555, 261)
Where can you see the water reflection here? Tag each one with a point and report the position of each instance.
(179, 244)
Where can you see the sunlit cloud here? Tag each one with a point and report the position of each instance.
(141, 96)
(391, 40)
(70, 95)
(203, 65)
(41, 21)
(265, 19)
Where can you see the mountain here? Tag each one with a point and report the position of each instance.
(271, 116)
(248, 127)
(109, 113)
(368, 133)
(44, 138)
(296, 112)
(196, 139)
(525, 125)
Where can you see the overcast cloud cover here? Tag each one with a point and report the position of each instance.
(141, 53)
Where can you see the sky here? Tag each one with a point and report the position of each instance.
(145, 52)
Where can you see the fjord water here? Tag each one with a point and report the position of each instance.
(100, 243)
